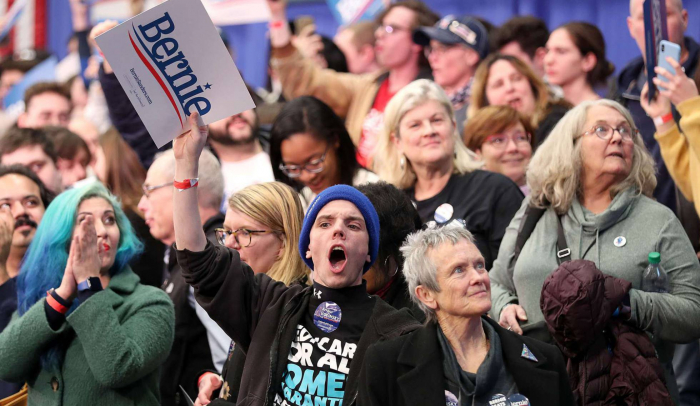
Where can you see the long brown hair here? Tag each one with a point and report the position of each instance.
(124, 173)
(539, 88)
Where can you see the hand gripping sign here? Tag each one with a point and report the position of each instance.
(171, 61)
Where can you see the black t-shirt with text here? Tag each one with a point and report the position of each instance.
(323, 349)
(486, 201)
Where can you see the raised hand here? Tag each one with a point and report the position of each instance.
(188, 146)
(86, 259)
(308, 42)
(658, 107)
(679, 87)
(278, 9)
(97, 30)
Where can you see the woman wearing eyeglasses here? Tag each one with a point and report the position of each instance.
(421, 152)
(263, 223)
(594, 175)
(502, 138)
(311, 150)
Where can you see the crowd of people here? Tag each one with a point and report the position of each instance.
(423, 209)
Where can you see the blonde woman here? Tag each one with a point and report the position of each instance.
(594, 174)
(263, 223)
(504, 80)
(422, 152)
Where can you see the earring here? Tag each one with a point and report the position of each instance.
(386, 265)
(402, 162)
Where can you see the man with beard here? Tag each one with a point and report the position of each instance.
(23, 200)
(243, 161)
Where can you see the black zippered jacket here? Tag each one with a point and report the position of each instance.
(261, 316)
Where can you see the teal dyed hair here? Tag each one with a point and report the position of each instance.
(45, 261)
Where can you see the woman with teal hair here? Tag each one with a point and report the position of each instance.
(86, 331)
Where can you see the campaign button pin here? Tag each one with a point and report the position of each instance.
(620, 241)
(451, 399)
(527, 354)
(518, 400)
(327, 316)
(443, 213)
(498, 399)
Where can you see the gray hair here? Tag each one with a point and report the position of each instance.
(554, 173)
(418, 268)
(211, 181)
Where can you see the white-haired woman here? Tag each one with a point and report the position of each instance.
(594, 175)
(422, 152)
(460, 357)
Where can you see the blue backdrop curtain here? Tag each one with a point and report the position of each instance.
(251, 57)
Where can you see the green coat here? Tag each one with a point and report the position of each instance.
(117, 340)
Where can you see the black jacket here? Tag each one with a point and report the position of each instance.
(409, 370)
(261, 316)
(127, 121)
(190, 354)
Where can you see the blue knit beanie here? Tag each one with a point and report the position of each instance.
(354, 196)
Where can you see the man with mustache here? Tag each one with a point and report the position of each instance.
(23, 201)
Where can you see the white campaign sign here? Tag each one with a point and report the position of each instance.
(171, 61)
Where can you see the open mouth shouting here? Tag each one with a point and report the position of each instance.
(337, 258)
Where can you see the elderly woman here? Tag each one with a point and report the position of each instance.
(460, 357)
(504, 80)
(594, 177)
(422, 152)
(87, 332)
(502, 138)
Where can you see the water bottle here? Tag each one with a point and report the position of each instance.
(655, 278)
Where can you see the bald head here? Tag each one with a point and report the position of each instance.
(637, 5)
(676, 23)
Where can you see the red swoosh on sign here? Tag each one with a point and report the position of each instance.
(155, 75)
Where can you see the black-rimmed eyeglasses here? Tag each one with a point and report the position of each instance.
(313, 166)
(243, 236)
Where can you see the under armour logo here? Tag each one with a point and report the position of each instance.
(317, 293)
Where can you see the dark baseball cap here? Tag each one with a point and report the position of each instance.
(451, 30)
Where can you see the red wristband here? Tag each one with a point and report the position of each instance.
(276, 24)
(54, 304)
(661, 120)
(202, 377)
(186, 184)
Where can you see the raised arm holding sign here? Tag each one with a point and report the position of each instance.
(171, 62)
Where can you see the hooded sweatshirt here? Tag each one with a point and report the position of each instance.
(646, 226)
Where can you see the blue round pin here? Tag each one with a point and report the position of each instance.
(518, 400)
(327, 316)
(498, 399)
